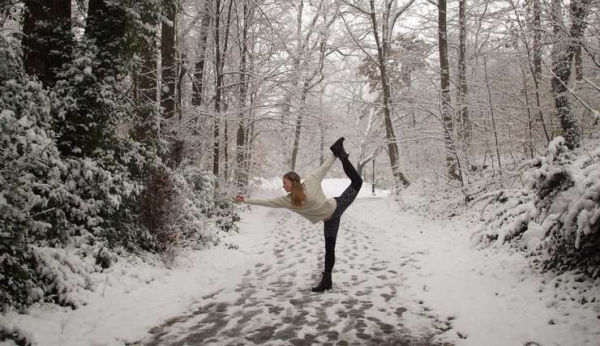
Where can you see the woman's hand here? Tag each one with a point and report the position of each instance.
(239, 198)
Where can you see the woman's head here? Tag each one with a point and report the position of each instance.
(291, 184)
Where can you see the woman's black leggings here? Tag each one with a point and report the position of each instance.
(343, 202)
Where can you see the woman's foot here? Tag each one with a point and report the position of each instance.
(338, 149)
(325, 283)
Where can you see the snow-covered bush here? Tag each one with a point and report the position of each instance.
(179, 209)
(51, 197)
(203, 204)
(558, 212)
(74, 185)
(48, 200)
(27, 180)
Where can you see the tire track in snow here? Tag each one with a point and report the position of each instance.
(273, 304)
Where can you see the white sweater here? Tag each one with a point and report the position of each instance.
(316, 207)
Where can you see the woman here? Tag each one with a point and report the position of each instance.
(308, 200)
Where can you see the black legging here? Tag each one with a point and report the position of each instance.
(343, 202)
(355, 179)
(329, 253)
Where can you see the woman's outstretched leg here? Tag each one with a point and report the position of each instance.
(355, 179)
(338, 150)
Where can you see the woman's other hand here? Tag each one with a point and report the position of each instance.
(239, 198)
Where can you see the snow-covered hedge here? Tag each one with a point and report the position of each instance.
(179, 208)
(63, 216)
(558, 212)
(47, 200)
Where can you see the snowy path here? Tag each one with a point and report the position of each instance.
(399, 279)
(272, 303)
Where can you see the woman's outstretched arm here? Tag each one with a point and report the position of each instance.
(319, 173)
(277, 202)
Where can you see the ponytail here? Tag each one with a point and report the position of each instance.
(297, 193)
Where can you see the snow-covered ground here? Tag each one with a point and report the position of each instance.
(399, 278)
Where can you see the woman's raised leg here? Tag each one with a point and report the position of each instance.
(355, 179)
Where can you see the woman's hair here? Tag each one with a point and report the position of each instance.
(297, 192)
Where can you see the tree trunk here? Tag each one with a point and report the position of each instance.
(489, 92)
(167, 50)
(529, 117)
(241, 138)
(562, 57)
(198, 83)
(47, 24)
(146, 80)
(578, 63)
(537, 61)
(298, 127)
(182, 71)
(451, 162)
(292, 95)
(382, 54)
(537, 38)
(463, 110)
(168, 83)
(305, 68)
(219, 82)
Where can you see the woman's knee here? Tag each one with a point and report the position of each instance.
(357, 183)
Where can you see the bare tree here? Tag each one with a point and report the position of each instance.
(537, 60)
(463, 109)
(308, 57)
(382, 22)
(242, 129)
(452, 168)
(221, 45)
(198, 82)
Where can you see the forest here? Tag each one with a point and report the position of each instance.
(126, 126)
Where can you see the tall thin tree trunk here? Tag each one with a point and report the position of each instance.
(406, 75)
(321, 129)
(219, 82)
(537, 61)
(578, 63)
(241, 173)
(198, 83)
(291, 101)
(452, 169)
(463, 109)
(382, 54)
(562, 58)
(147, 127)
(487, 83)
(182, 69)
(169, 78)
(298, 127)
(248, 144)
(529, 117)
(220, 52)
(167, 48)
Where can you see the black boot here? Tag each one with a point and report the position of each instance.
(338, 149)
(325, 283)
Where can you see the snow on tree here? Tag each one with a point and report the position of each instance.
(72, 179)
(558, 212)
